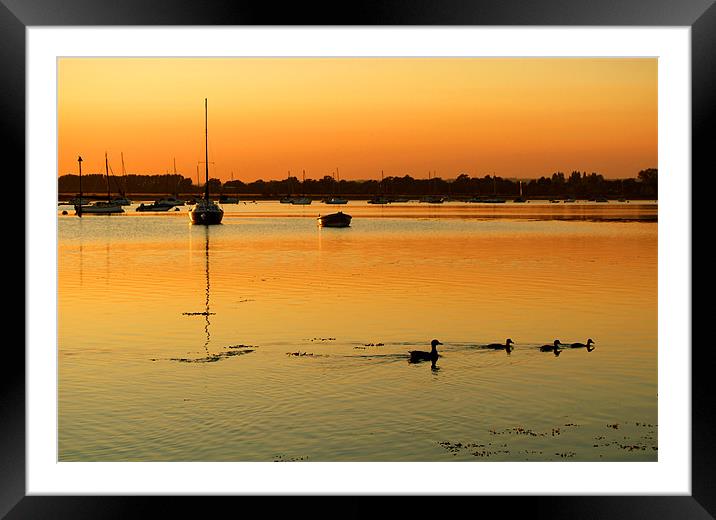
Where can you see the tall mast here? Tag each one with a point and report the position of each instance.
(206, 148)
(106, 172)
(79, 208)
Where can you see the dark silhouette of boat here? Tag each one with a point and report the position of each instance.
(206, 211)
(339, 219)
(154, 206)
(100, 207)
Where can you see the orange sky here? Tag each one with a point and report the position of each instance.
(514, 117)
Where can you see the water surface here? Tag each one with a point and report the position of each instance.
(268, 338)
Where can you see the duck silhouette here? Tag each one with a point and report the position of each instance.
(551, 348)
(421, 355)
(589, 345)
(499, 346)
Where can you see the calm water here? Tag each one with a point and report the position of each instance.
(268, 338)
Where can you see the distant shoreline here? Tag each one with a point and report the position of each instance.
(143, 197)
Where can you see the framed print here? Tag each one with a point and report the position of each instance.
(204, 332)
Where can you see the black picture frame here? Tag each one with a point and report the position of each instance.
(699, 15)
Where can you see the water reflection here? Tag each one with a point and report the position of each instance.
(206, 306)
(400, 281)
(207, 312)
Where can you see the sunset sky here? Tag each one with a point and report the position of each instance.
(512, 117)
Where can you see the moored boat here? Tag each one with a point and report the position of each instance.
(339, 219)
(335, 200)
(154, 207)
(101, 207)
(206, 211)
(170, 201)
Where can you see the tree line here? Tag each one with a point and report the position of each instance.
(577, 185)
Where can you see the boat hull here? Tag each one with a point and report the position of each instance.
(206, 213)
(339, 219)
(153, 207)
(99, 209)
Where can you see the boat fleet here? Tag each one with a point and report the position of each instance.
(205, 211)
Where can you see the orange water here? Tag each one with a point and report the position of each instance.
(153, 312)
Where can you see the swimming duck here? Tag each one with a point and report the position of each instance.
(421, 355)
(588, 346)
(551, 348)
(498, 346)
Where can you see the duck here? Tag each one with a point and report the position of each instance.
(551, 348)
(421, 355)
(498, 346)
(589, 345)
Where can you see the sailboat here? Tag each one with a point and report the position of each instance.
(102, 207)
(379, 199)
(122, 199)
(302, 200)
(206, 211)
(229, 199)
(432, 198)
(520, 198)
(333, 199)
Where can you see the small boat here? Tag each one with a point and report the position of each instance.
(206, 211)
(488, 200)
(122, 201)
(335, 200)
(154, 207)
(601, 199)
(301, 200)
(378, 200)
(286, 200)
(339, 219)
(227, 199)
(76, 201)
(494, 199)
(170, 201)
(432, 199)
(101, 207)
